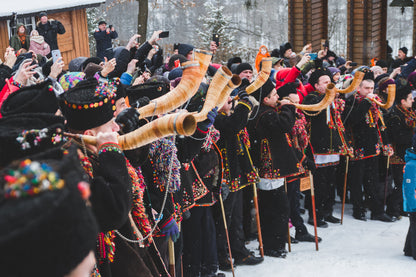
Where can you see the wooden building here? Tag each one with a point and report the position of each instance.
(72, 14)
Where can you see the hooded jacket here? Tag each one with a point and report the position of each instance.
(15, 42)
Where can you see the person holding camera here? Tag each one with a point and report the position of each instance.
(49, 29)
(103, 37)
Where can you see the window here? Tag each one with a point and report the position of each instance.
(28, 21)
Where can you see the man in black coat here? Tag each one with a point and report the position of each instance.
(103, 37)
(49, 29)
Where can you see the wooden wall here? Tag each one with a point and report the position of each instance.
(366, 30)
(308, 23)
(73, 43)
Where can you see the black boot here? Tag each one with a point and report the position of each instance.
(248, 260)
(382, 217)
(305, 236)
(332, 219)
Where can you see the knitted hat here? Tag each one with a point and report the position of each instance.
(22, 135)
(76, 64)
(263, 91)
(381, 63)
(41, 14)
(38, 98)
(70, 79)
(101, 22)
(340, 61)
(404, 49)
(44, 220)
(175, 73)
(287, 89)
(233, 60)
(152, 90)
(184, 49)
(334, 70)
(243, 66)
(319, 72)
(89, 104)
(412, 79)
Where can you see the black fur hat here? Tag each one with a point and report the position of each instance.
(89, 104)
(151, 90)
(264, 90)
(321, 71)
(284, 47)
(22, 135)
(46, 229)
(39, 98)
(286, 89)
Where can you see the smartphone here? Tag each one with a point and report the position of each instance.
(353, 64)
(313, 56)
(216, 38)
(56, 54)
(164, 34)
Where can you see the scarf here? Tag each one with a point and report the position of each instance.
(37, 39)
(409, 116)
(22, 38)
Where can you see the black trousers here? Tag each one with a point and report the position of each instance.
(274, 217)
(233, 207)
(395, 198)
(410, 244)
(199, 246)
(324, 185)
(293, 194)
(365, 174)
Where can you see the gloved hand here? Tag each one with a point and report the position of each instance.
(243, 95)
(171, 230)
(204, 125)
(128, 120)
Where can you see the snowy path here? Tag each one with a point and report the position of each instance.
(356, 248)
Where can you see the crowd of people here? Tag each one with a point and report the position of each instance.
(76, 201)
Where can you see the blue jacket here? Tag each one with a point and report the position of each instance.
(104, 41)
(409, 182)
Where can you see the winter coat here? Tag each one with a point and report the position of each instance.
(15, 42)
(234, 144)
(103, 40)
(326, 137)
(400, 133)
(288, 75)
(272, 149)
(39, 46)
(409, 182)
(49, 31)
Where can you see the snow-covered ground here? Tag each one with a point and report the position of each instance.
(356, 248)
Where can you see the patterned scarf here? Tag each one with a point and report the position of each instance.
(22, 37)
(409, 116)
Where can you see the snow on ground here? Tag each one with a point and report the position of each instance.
(356, 248)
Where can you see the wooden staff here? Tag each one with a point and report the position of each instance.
(256, 206)
(289, 240)
(226, 234)
(171, 258)
(345, 189)
(313, 209)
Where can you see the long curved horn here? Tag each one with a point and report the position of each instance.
(330, 94)
(177, 123)
(391, 95)
(266, 67)
(225, 93)
(193, 73)
(358, 78)
(218, 83)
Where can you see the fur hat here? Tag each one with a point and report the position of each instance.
(89, 104)
(44, 220)
(91, 69)
(22, 135)
(368, 74)
(319, 72)
(263, 91)
(243, 66)
(284, 47)
(95, 60)
(151, 90)
(38, 98)
(184, 49)
(76, 64)
(287, 89)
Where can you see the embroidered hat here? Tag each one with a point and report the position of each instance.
(44, 221)
(22, 135)
(89, 104)
(39, 98)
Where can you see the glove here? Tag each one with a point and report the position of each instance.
(171, 230)
(243, 95)
(204, 125)
(128, 120)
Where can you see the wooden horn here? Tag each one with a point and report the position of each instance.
(391, 95)
(266, 67)
(168, 125)
(218, 83)
(330, 94)
(358, 78)
(232, 84)
(193, 73)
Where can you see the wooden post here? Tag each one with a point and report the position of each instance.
(345, 189)
(314, 211)
(171, 258)
(256, 206)
(289, 242)
(226, 233)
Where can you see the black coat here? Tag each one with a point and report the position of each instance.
(274, 155)
(50, 30)
(367, 139)
(238, 168)
(325, 140)
(400, 134)
(103, 41)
